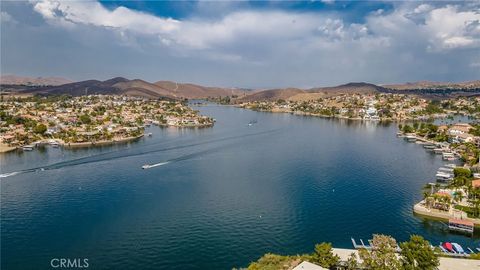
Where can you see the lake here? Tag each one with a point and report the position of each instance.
(223, 197)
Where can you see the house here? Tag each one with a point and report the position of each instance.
(463, 137)
(308, 266)
(459, 128)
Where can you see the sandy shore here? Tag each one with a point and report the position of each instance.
(5, 148)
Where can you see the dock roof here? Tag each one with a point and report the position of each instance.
(461, 222)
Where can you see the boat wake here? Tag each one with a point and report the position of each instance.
(119, 155)
(148, 166)
(5, 175)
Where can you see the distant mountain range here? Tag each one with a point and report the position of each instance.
(434, 85)
(19, 80)
(174, 90)
(122, 86)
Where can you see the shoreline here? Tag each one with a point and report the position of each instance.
(420, 210)
(101, 143)
(5, 148)
(440, 116)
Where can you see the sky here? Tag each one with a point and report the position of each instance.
(262, 44)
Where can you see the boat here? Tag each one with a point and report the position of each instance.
(28, 147)
(443, 179)
(54, 144)
(448, 156)
(448, 246)
(439, 150)
(451, 165)
(251, 123)
(146, 166)
(149, 134)
(444, 169)
(443, 249)
(429, 146)
(410, 138)
(458, 248)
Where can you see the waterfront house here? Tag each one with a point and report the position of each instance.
(308, 266)
(459, 128)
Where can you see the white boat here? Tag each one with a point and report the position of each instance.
(410, 138)
(146, 166)
(54, 144)
(439, 150)
(149, 134)
(443, 179)
(429, 146)
(447, 170)
(451, 165)
(448, 156)
(28, 147)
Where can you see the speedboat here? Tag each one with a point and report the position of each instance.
(410, 138)
(447, 170)
(448, 246)
(28, 147)
(146, 166)
(429, 146)
(458, 248)
(448, 156)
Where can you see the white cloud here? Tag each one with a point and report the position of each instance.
(452, 28)
(276, 46)
(93, 13)
(6, 18)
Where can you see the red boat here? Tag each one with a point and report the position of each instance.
(448, 246)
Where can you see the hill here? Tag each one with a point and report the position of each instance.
(194, 91)
(122, 86)
(434, 85)
(296, 94)
(272, 95)
(39, 81)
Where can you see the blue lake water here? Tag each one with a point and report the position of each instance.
(225, 196)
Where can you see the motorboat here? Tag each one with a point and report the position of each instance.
(458, 248)
(28, 147)
(448, 246)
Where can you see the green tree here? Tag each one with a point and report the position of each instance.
(40, 129)
(85, 119)
(459, 172)
(417, 254)
(408, 129)
(383, 256)
(352, 263)
(324, 256)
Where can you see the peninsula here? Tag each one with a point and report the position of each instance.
(88, 120)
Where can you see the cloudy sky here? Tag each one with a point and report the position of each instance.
(243, 44)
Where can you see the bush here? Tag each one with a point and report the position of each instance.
(462, 172)
(40, 129)
(324, 256)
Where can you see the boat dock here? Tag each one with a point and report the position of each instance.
(453, 250)
(362, 245)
